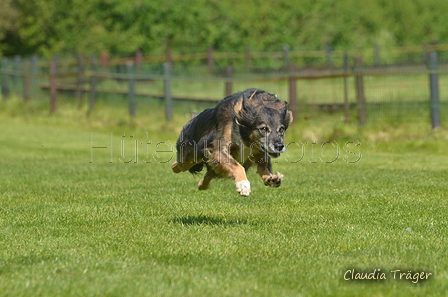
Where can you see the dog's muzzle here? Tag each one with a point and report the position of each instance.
(279, 147)
(274, 150)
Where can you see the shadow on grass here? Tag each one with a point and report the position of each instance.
(208, 220)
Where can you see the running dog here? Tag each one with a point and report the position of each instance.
(244, 129)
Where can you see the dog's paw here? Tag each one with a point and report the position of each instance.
(204, 184)
(273, 180)
(175, 167)
(243, 187)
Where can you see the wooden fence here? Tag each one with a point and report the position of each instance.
(327, 56)
(84, 75)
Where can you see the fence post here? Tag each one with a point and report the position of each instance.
(247, 58)
(138, 60)
(168, 98)
(286, 56)
(434, 89)
(17, 64)
(169, 55)
(346, 103)
(93, 82)
(293, 96)
(329, 54)
(131, 89)
(34, 71)
(80, 79)
(104, 56)
(360, 98)
(210, 59)
(229, 73)
(53, 87)
(425, 53)
(26, 81)
(5, 79)
(377, 52)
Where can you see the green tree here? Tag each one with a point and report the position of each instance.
(8, 17)
(122, 27)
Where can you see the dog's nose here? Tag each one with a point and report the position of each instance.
(279, 146)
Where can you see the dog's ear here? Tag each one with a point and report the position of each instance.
(288, 113)
(288, 118)
(237, 108)
(243, 111)
(238, 105)
(253, 99)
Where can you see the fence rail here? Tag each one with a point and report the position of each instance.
(347, 77)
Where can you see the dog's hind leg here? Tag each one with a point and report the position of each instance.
(187, 156)
(204, 183)
(189, 162)
(176, 167)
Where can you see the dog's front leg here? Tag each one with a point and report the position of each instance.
(241, 182)
(269, 179)
(225, 165)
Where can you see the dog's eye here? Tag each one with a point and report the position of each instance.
(281, 130)
(264, 129)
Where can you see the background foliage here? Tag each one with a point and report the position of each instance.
(121, 27)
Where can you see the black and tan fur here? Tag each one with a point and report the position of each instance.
(244, 129)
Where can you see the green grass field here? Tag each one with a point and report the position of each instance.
(74, 224)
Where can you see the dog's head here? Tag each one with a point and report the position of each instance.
(262, 121)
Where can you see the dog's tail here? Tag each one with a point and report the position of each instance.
(196, 168)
